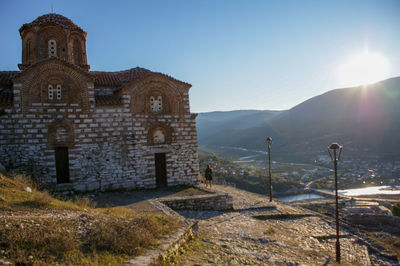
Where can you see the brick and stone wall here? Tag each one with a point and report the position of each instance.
(108, 147)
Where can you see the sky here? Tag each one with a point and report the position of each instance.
(237, 54)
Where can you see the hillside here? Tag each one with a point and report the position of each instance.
(366, 120)
(244, 128)
(39, 229)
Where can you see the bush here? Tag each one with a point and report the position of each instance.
(269, 231)
(84, 202)
(396, 209)
(41, 199)
(26, 181)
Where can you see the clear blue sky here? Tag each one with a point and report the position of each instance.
(237, 54)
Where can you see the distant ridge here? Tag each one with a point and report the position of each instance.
(366, 119)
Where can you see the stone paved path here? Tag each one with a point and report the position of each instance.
(281, 235)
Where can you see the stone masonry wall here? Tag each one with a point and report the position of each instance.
(217, 201)
(108, 146)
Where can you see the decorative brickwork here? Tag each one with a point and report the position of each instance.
(102, 120)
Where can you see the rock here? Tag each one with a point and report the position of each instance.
(2, 169)
(3, 262)
(28, 189)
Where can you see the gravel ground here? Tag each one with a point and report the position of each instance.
(281, 235)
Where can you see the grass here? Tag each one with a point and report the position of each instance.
(391, 243)
(195, 249)
(12, 190)
(269, 231)
(45, 230)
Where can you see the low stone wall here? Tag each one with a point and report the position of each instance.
(217, 201)
(374, 220)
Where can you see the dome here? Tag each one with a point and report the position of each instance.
(52, 18)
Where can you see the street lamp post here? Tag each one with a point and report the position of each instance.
(269, 141)
(334, 147)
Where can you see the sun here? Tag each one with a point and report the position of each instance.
(362, 69)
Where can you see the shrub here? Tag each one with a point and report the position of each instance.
(41, 199)
(396, 209)
(84, 202)
(26, 181)
(270, 231)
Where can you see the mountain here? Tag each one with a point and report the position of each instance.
(243, 128)
(365, 120)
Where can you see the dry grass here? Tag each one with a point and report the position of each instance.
(269, 231)
(32, 241)
(17, 199)
(84, 202)
(391, 243)
(49, 231)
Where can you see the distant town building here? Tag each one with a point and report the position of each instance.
(77, 129)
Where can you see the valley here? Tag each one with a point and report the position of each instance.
(365, 120)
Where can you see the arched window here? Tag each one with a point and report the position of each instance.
(61, 135)
(156, 104)
(52, 48)
(28, 53)
(54, 93)
(158, 137)
(77, 52)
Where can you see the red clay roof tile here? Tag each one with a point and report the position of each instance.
(6, 97)
(6, 77)
(117, 79)
(52, 18)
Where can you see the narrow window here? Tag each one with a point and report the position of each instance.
(50, 90)
(159, 103)
(77, 52)
(58, 91)
(28, 51)
(52, 48)
(152, 103)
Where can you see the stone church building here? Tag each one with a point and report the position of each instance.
(83, 130)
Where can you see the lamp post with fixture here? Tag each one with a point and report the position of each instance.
(269, 142)
(335, 158)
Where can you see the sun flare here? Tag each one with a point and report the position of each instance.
(362, 69)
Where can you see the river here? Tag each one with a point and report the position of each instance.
(381, 190)
(297, 197)
(386, 190)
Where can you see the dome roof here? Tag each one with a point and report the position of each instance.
(52, 18)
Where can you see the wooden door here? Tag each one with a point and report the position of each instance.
(161, 170)
(62, 165)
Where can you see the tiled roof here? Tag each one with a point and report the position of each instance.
(6, 77)
(104, 100)
(6, 97)
(52, 18)
(117, 79)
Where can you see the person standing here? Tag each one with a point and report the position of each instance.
(208, 175)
